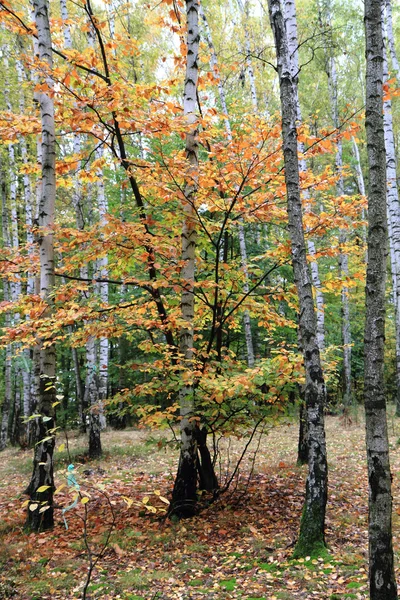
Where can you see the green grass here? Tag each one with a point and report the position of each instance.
(228, 584)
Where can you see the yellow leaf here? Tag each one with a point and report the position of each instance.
(145, 500)
(58, 490)
(84, 500)
(165, 500)
(43, 488)
(33, 506)
(61, 448)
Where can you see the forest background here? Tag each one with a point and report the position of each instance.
(169, 297)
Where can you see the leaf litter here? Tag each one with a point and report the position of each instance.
(240, 547)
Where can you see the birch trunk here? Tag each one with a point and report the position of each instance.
(361, 188)
(7, 399)
(290, 19)
(393, 215)
(242, 239)
(66, 27)
(103, 292)
(312, 527)
(249, 63)
(92, 399)
(43, 455)
(30, 287)
(343, 258)
(184, 492)
(390, 37)
(381, 569)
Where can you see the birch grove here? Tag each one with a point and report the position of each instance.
(181, 262)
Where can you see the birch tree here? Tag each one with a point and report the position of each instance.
(40, 512)
(7, 398)
(184, 492)
(312, 527)
(392, 193)
(381, 569)
(242, 239)
(289, 9)
(326, 10)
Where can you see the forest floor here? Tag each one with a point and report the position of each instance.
(240, 547)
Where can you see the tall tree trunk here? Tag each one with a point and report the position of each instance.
(7, 398)
(381, 569)
(326, 15)
(312, 527)
(184, 492)
(242, 238)
(92, 399)
(30, 211)
(289, 8)
(80, 222)
(40, 510)
(102, 266)
(393, 213)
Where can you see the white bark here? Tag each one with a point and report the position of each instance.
(184, 494)
(30, 287)
(66, 27)
(249, 63)
(242, 239)
(312, 527)
(390, 38)
(43, 456)
(102, 267)
(92, 399)
(343, 257)
(393, 215)
(247, 52)
(359, 173)
(291, 32)
(361, 189)
(7, 398)
(216, 73)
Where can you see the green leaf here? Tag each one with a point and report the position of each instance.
(46, 419)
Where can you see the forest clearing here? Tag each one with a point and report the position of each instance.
(239, 547)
